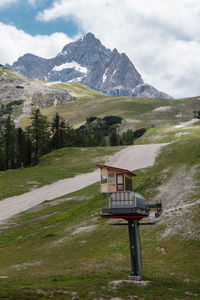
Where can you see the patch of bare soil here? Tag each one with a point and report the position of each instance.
(84, 229)
(116, 283)
(179, 198)
(26, 265)
(188, 123)
(135, 157)
(180, 189)
(163, 109)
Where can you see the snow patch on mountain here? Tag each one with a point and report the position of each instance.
(105, 75)
(77, 79)
(71, 65)
(63, 53)
(114, 73)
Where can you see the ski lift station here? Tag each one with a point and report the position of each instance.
(120, 202)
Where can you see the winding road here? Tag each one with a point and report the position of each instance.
(130, 158)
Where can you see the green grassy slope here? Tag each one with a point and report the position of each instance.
(63, 249)
(142, 112)
(170, 134)
(137, 112)
(60, 164)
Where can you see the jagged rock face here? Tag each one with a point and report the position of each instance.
(148, 91)
(32, 66)
(86, 61)
(8, 90)
(15, 89)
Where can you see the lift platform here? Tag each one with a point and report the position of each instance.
(119, 203)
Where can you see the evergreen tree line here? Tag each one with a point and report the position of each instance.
(21, 148)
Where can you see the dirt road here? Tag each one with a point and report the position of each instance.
(131, 158)
(188, 123)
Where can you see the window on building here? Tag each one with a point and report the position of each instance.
(128, 184)
(120, 182)
(111, 178)
(103, 179)
(120, 179)
(120, 187)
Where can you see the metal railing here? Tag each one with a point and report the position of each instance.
(127, 199)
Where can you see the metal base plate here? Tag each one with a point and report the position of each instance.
(135, 278)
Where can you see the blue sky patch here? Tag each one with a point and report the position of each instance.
(22, 15)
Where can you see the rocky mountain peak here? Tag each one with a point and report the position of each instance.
(115, 52)
(89, 62)
(90, 37)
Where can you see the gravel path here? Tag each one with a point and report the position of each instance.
(135, 157)
(188, 123)
(181, 207)
(131, 158)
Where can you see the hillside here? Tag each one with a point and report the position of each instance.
(18, 95)
(62, 249)
(138, 112)
(76, 102)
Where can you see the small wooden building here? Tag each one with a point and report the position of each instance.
(115, 179)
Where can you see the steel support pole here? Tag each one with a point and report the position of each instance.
(135, 250)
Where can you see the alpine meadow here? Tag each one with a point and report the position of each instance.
(60, 117)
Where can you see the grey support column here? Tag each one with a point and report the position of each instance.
(135, 250)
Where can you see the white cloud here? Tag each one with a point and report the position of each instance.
(32, 2)
(162, 38)
(17, 42)
(6, 2)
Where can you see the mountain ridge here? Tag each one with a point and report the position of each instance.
(89, 62)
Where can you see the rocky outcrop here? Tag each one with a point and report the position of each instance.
(9, 90)
(16, 89)
(89, 62)
(48, 99)
(19, 97)
(148, 91)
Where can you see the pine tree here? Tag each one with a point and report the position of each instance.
(10, 139)
(127, 137)
(20, 144)
(40, 135)
(2, 150)
(113, 137)
(58, 131)
(62, 133)
(28, 151)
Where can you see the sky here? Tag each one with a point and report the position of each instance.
(162, 38)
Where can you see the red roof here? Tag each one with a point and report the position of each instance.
(117, 169)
